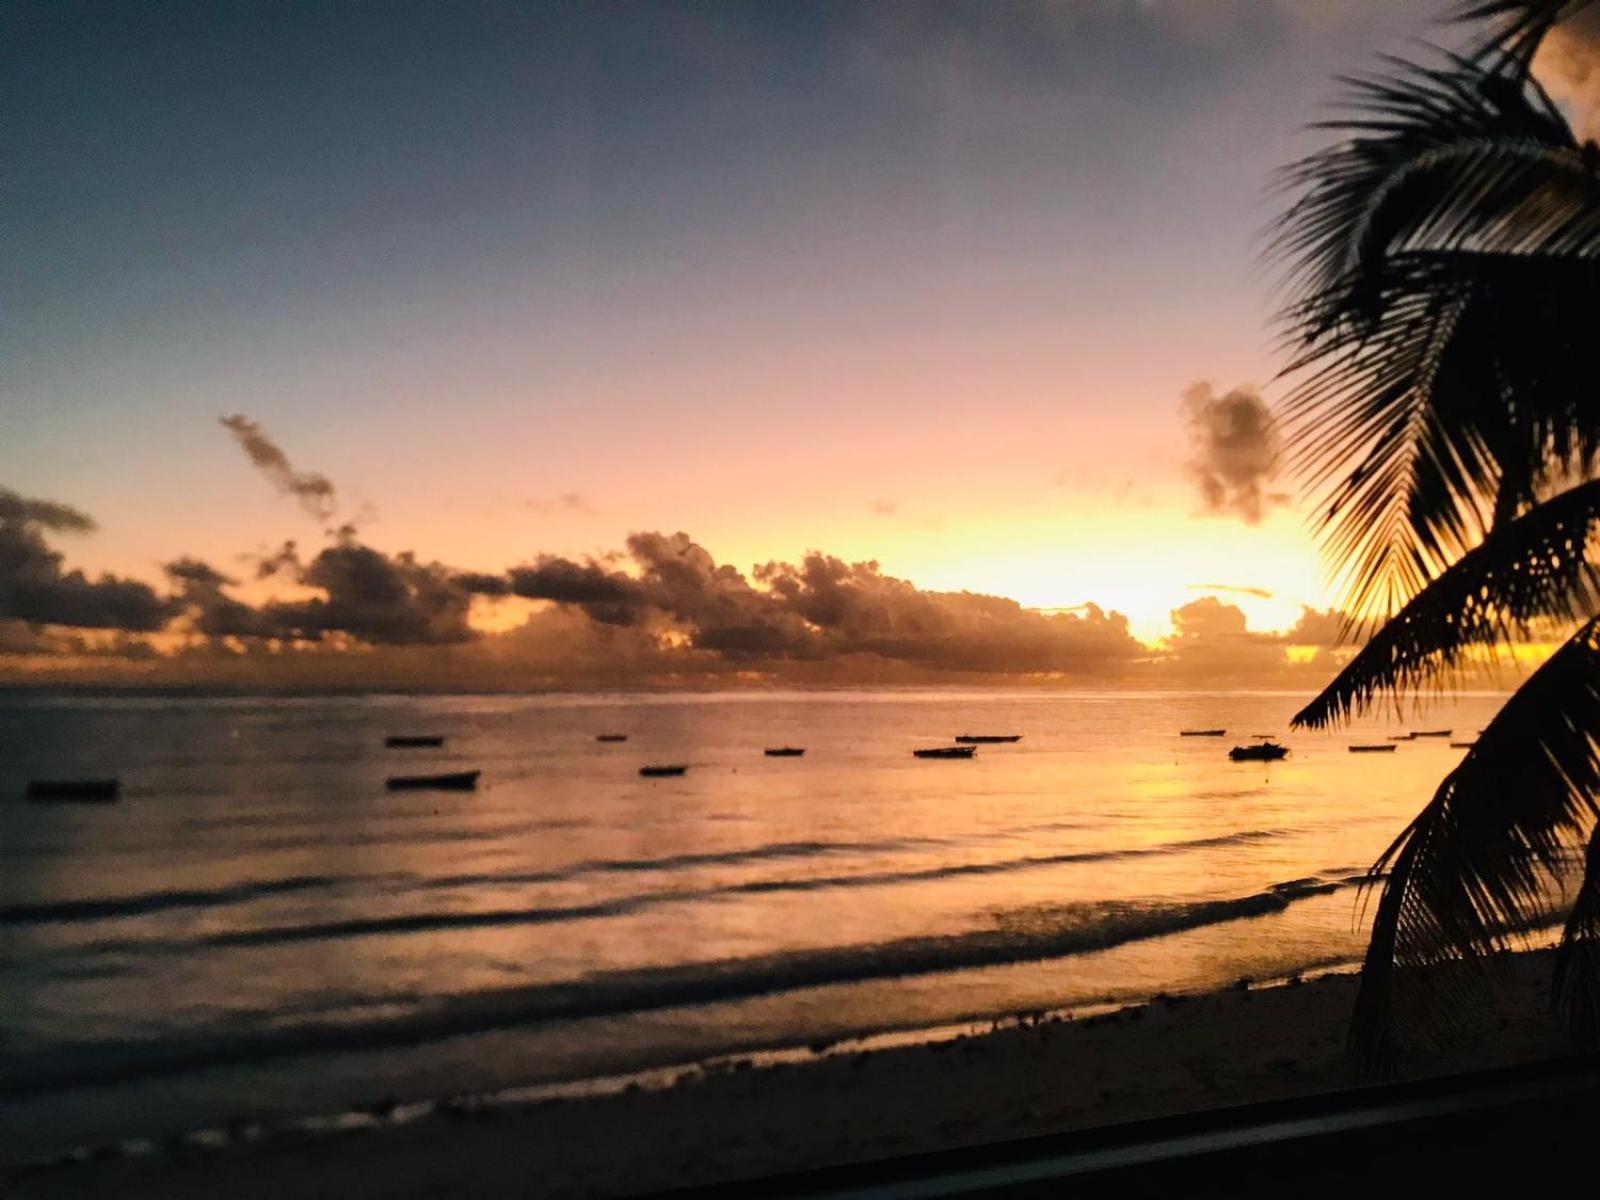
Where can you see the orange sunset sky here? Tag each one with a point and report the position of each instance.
(928, 286)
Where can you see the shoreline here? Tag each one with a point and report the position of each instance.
(796, 1108)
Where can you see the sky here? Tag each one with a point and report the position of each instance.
(973, 293)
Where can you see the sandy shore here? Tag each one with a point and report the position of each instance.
(1164, 1057)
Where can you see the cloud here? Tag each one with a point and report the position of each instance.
(366, 595)
(1319, 627)
(43, 514)
(607, 596)
(201, 594)
(314, 492)
(34, 588)
(571, 502)
(662, 611)
(821, 609)
(856, 609)
(1212, 640)
(1240, 589)
(1234, 446)
(284, 560)
(1568, 64)
(384, 599)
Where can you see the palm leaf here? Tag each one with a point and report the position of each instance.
(1477, 861)
(1516, 27)
(1393, 125)
(1530, 568)
(1577, 978)
(1419, 251)
(1482, 372)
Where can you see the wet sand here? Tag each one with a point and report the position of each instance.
(1168, 1056)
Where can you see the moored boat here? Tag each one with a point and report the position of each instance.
(1463, 745)
(413, 741)
(1201, 732)
(87, 791)
(1381, 748)
(946, 752)
(664, 770)
(784, 751)
(987, 739)
(453, 781)
(1422, 733)
(610, 737)
(1260, 752)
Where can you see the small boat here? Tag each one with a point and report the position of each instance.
(1260, 752)
(610, 737)
(1201, 732)
(1444, 733)
(1463, 745)
(785, 751)
(1401, 737)
(659, 772)
(946, 752)
(1381, 748)
(454, 781)
(413, 741)
(91, 791)
(987, 739)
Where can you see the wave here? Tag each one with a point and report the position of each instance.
(1046, 934)
(434, 922)
(101, 907)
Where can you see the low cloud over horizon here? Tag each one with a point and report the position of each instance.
(662, 611)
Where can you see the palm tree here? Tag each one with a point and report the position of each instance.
(1443, 326)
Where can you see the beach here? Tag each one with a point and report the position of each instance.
(1030, 1076)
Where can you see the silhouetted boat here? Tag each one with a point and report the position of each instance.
(455, 781)
(1382, 748)
(610, 737)
(1444, 733)
(986, 739)
(413, 741)
(90, 791)
(785, 751)
(670, 769)
(1201, 732)
(946, 752)
(1261, 752)
(1463, 745)
(1401, 737)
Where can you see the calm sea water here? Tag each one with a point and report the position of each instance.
(260, 930)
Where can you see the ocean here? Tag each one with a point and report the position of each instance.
(259, 931)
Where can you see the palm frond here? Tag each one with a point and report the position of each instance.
(1577, 977)
(1477, 860)
(1533, 567)
(1390, 124)
(1421, 252)
(1483, 371)
(1516, 27)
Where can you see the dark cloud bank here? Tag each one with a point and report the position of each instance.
(662, 612)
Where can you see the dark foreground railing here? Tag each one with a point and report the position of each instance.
(1488, 1133)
